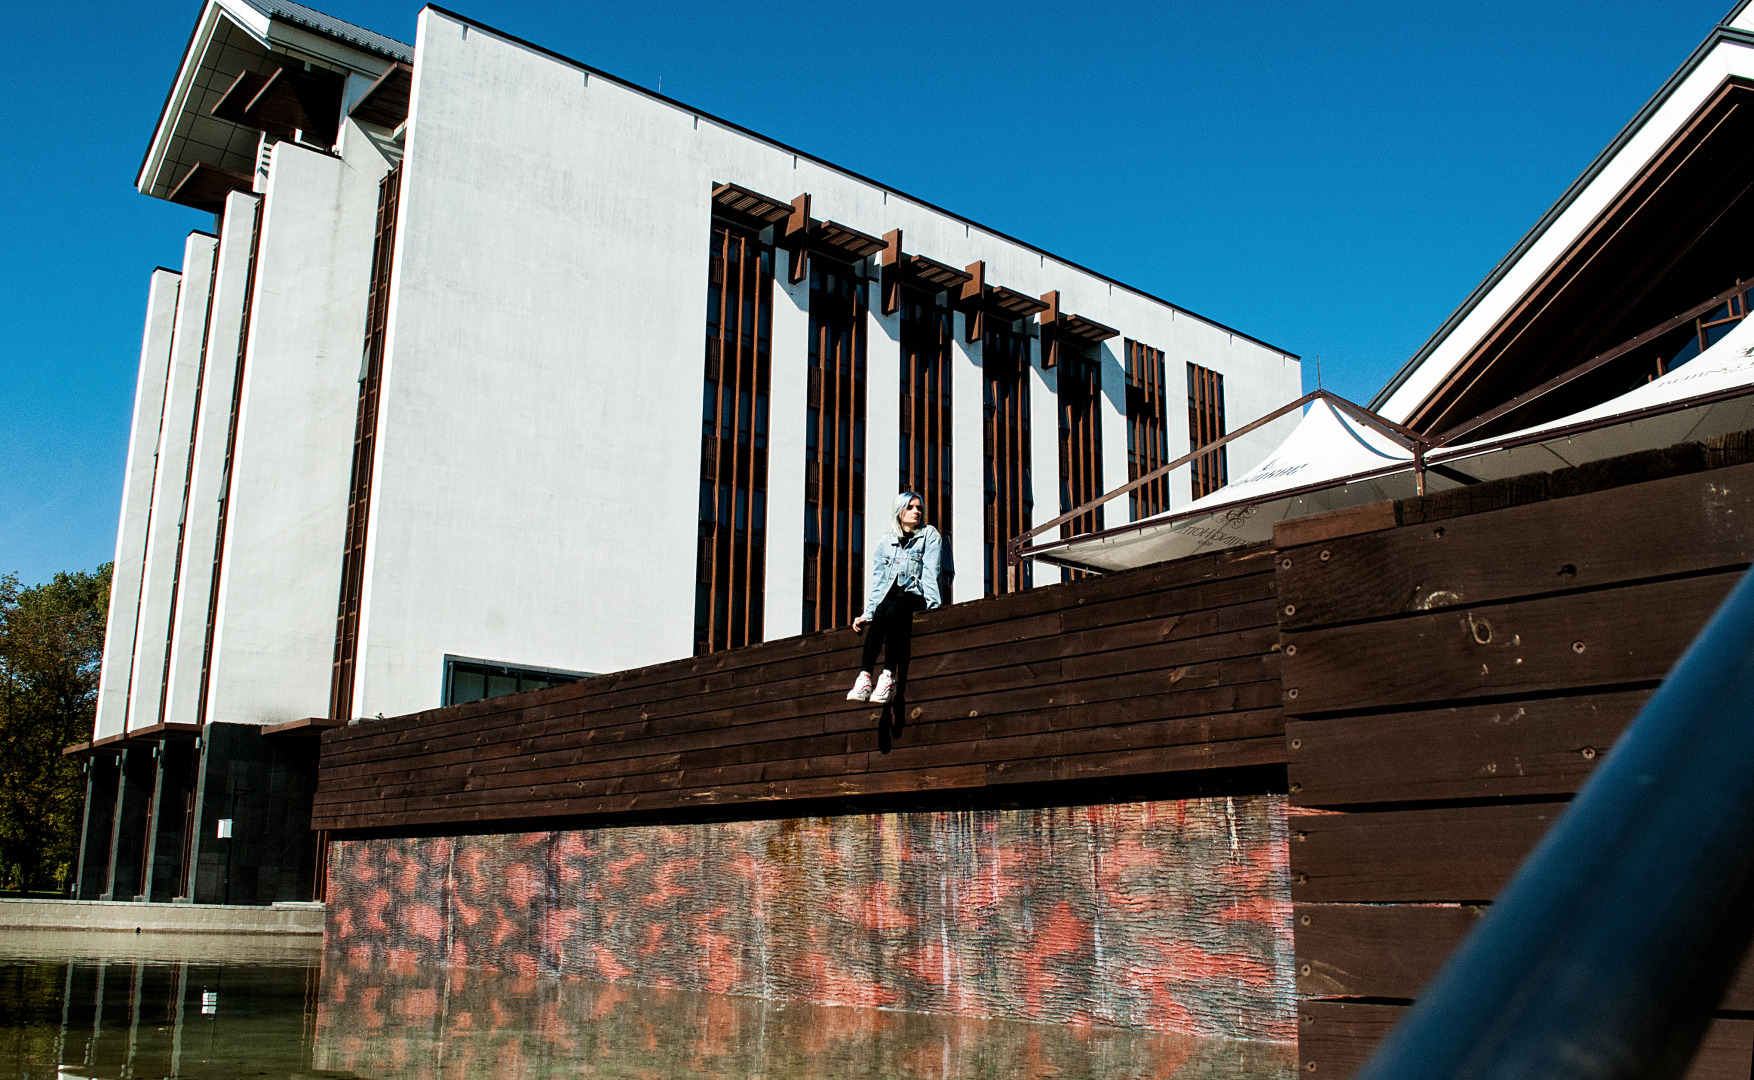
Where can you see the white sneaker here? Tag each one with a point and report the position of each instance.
(861, 690)
(885, 683)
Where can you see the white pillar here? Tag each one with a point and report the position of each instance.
(968, 478)
(130, 564)
(208, 481)
(176, 434)
(1112, 421)
(1044, 449)
(882, 419)
(788, 395)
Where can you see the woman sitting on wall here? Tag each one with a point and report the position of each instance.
(904, 579)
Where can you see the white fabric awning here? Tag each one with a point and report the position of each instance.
(1713, 394)
(1330, 460)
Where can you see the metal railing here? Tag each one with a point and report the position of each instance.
(1605, 956)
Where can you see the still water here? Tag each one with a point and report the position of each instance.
(122, 1006)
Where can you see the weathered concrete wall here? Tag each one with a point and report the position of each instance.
(1173, 916)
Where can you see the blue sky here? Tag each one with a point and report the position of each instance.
(1331, 180)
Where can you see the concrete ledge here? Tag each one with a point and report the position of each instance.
(132, 917)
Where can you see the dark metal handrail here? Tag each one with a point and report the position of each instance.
(1607, 953)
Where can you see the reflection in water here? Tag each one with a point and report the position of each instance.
(113, 1011)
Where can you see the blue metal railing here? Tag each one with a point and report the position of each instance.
(1607, 953)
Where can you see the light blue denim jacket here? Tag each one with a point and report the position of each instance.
(913, 563)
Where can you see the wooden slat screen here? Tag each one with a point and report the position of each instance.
(1206, 424)
(1147, 429)
(926, 331)
(731, 559)
(1008, 495)
(834, 448)
(1080, 392)
(365, 435)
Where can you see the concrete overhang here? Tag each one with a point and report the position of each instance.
(260, 36)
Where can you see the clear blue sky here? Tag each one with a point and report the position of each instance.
(1330, 178)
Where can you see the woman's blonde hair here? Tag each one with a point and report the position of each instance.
(901, 502)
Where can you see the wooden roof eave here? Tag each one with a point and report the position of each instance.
(751, 208)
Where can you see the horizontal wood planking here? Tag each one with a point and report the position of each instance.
(1336, 1038)
(1604, 538)
(1393, 950)
(1620, 636)
(1171, 669)
(1532, 747)
(1453, 854)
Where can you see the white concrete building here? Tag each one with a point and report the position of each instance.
(501, 369)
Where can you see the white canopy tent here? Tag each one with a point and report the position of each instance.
(1332, 459)
(1335, 458)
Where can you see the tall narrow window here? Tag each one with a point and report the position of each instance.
(1005, 453)
(925, 410)
(365, 436)
(1205, 425)
(834, 448)
(731, 556)
(1147, 430)
(1080, 392)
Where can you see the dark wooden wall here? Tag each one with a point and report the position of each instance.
(1166, 669)
(1451, 678)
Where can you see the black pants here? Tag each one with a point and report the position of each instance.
(893, 624)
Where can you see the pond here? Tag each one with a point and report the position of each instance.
(123, 1005)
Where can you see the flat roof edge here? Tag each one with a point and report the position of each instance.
(806, 155)
(1720, 34)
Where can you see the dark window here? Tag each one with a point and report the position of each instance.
(1205, 425)
(1005, 452)
(731, 558)
(1147, 430)
(472, 680)
(834, 448)
(365, 431)
(925, 411)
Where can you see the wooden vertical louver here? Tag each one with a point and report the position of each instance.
(1205, 425)
(1147, 434)
(731, 561)
(1005, 453)
(365, 437)
(1080, 390)
(834, 448)
(926, 333)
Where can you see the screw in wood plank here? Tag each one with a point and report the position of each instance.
(1577, 646)
(1291, 693)
(1302, 836)
(1297, 744)
(1290, 650)
(1296, 787)
(1290, 609)
(1304, 971)
(1285, 564)
(1304, 920)
(1437, 533)
(1310, 1066)
(1303, 879)
(1326, 555)
(1589, 753)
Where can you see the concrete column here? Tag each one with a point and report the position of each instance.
(1112, 418)
(132, 820)
(96, 831)
(882, 419)
(788, 398)
(1044, 454)
(209, 480)
(175, 439)
(130, 564)
(968, 458)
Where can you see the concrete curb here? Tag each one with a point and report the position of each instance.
(139, 917)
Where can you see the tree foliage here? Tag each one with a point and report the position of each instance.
(51, 647)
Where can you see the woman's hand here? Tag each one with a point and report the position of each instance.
(860, 623)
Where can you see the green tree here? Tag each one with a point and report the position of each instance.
(51, 646)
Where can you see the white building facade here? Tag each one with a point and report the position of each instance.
(499, 370)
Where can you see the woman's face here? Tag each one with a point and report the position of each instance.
(911, 515)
